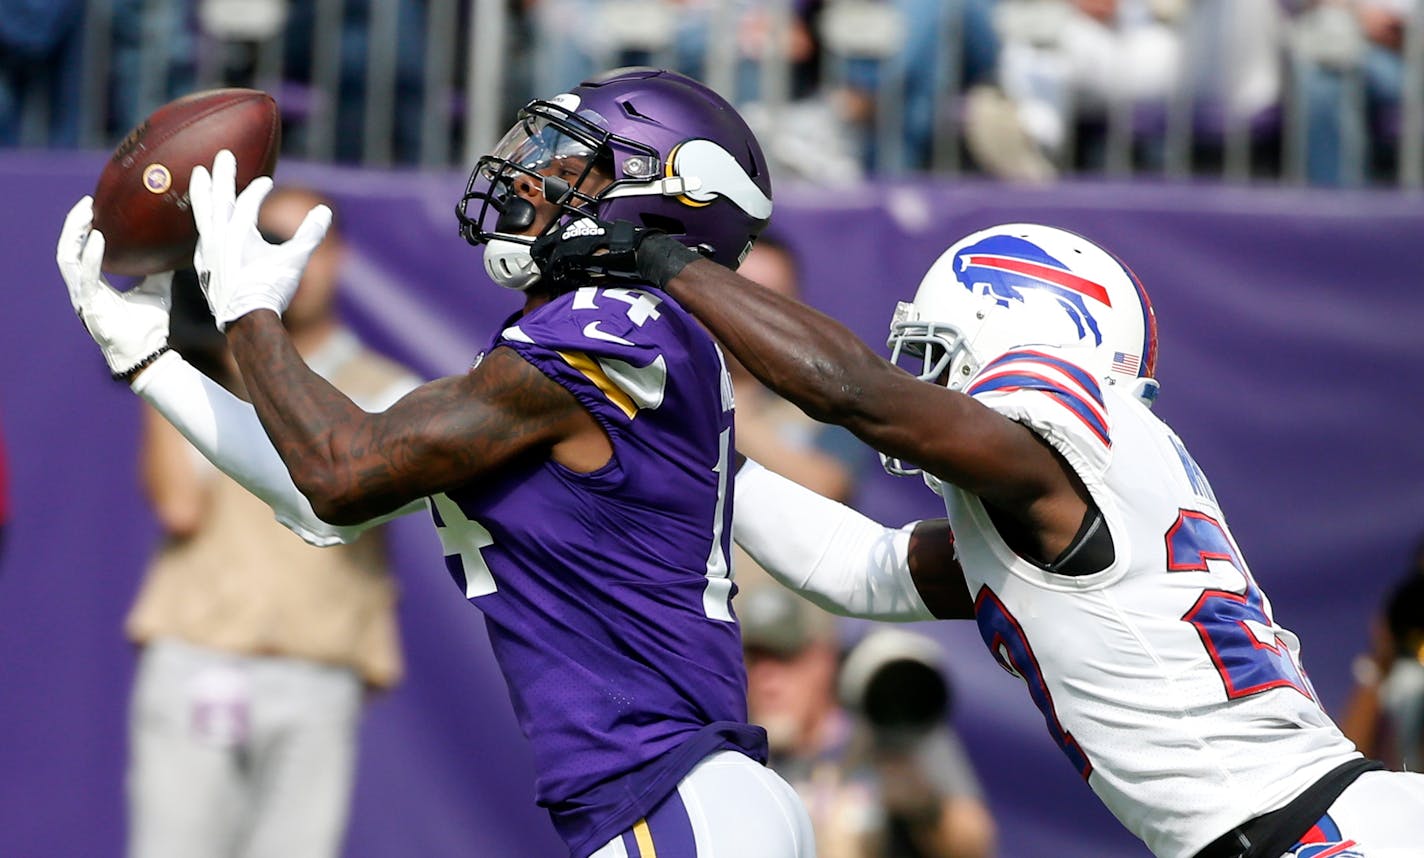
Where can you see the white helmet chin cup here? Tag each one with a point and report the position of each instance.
(509, 264)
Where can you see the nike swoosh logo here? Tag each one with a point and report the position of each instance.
(593, 333)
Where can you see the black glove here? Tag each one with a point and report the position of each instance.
(610, 249)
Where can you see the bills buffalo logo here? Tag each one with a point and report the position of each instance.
(1338, 849)
(1010, 269)
(1324, 840)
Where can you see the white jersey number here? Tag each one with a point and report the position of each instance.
(461, 539)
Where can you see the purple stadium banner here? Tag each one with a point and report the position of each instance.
(1292, 364)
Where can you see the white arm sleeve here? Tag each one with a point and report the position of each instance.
(227, 432)
(824, 550)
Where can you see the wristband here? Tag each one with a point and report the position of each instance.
(662, 257)
(128, 374)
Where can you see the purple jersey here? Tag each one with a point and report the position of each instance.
(607, 594)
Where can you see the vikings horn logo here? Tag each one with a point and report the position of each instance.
(1006, 267)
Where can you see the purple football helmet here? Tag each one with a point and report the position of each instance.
(680, 158)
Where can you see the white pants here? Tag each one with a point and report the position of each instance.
(728, 806)
(239, 757)
(1381, 815)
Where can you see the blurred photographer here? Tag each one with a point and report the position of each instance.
(866, 742)
(257, 651)
(1385, 716)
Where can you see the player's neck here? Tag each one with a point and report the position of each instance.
(534, 299)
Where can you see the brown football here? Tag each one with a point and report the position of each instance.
(141, 203)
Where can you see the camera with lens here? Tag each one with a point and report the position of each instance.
(896, 681)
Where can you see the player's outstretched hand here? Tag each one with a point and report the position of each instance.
(131, 327)
(239, 271)
(588, 247)
(610, 249)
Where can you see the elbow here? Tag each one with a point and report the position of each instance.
(344, 489)
(338, 512)
(336, 494)
(337, 509)
(332, 502)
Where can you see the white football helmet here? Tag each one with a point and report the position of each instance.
(1020, 285)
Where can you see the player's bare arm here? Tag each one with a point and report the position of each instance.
(351, 465)
(936, 573)
(820, 365)
(354, 465)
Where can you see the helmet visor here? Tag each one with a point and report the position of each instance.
(556, 149)
(535, 145)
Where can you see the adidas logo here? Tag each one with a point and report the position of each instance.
(582, 227)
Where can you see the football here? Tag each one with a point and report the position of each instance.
(141, 202)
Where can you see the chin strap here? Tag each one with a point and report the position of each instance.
(587, 247)
(670, 186)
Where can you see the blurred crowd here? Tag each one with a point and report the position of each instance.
(1385, 715)
(861, 728)
(257, 652)
(1026, 90)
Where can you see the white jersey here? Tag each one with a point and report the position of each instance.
(1164, 678)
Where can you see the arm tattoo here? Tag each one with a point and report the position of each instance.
(354, 465)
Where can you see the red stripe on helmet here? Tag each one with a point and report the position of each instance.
(1056, 276)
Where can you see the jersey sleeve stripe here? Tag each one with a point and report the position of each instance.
(1076, 404)
(594, 373)
(1061, 375)
(1077, 373)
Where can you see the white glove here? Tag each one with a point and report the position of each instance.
(131, 327)
(239, 271)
